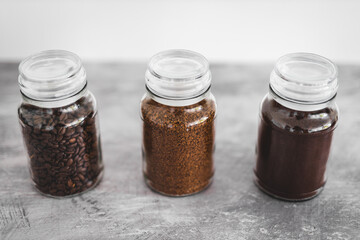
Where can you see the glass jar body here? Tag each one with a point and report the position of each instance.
(293, 148)
(62, 143)
(178, 145)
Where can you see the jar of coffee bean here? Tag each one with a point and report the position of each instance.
(58, 118)
(178, 113)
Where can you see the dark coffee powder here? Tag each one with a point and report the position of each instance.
(292, 150)
(63, 146)
(178, 145)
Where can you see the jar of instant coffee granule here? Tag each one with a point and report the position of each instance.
(58, 117)
(297, 121)
(178, 113)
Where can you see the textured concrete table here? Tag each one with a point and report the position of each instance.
(122, 207)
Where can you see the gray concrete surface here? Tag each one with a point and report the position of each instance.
(122, 207)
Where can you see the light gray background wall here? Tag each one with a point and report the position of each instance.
(231, 30)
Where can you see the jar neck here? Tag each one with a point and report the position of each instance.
(178, 102)
(56, 103)
(298, 106)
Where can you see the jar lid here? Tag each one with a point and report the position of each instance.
(51, 75)
(304, 78)
(178, 74)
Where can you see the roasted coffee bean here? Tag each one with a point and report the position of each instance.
(69, 131)
(58, 145)
(81, 177)
(70, 183)
(69, 162)
(61, 131)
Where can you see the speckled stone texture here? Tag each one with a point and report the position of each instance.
(122, 207)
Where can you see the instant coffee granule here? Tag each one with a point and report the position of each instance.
(63, 147)
(178, 145)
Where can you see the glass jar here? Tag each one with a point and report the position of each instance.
(58, 118)
(297, 120)
(178, 113)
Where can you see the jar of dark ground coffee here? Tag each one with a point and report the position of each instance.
(297, 120)
(178, 113)
(58, 118)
